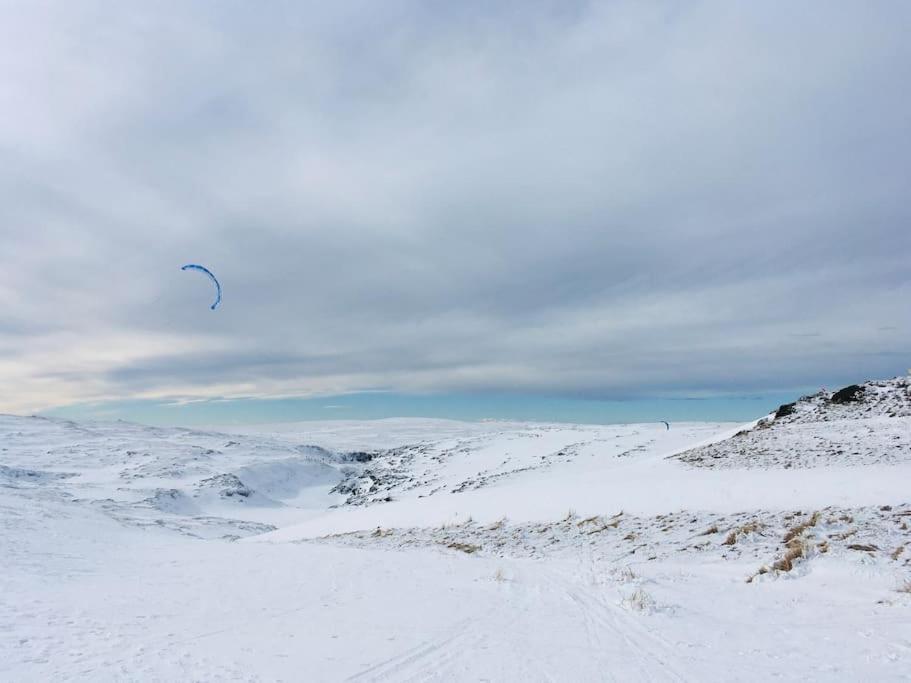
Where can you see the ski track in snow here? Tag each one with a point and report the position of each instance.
(425, 550)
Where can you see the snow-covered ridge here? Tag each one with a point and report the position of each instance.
(876, 398)
(862, 424)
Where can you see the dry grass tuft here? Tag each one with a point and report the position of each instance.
(639, 601)
(904, 588)
(864, 547)
(762, 570)
(711, 530)
(601, 523)
(792, 554)
(898, 551)
(753, 527)
(467, 548)
(844, 535)
(799, 529)
(497, 525)
(749, 528)
(796, 544)
(625, 575)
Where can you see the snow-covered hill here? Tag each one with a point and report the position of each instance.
(880, 398)
(440, 550)
(857, 425)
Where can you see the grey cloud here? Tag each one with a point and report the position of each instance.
(576, 198)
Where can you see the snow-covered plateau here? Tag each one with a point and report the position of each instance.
(438, 550)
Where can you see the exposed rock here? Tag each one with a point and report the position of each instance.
(857, 425)
(785, 410)
(358, 456)
(850, 394)
(227, 485)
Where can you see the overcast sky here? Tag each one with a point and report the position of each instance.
(598, 200)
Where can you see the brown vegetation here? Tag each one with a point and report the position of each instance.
(464, 547)
(799, 529)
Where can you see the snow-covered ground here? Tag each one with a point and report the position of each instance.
(440, 550)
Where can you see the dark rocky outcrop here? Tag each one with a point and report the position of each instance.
(850, 394)
(358, 456)
(227, 485)
(785, 410)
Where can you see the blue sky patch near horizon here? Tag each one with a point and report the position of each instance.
(379, 405)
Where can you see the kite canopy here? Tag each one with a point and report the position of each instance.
(666, 424)
(203, 269)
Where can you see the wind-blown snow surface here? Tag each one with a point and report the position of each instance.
(438, 550)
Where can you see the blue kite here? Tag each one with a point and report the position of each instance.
(203, 269)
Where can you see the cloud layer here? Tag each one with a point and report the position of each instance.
(581, 199)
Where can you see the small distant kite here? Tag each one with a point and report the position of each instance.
(203, 269)
(666, 424)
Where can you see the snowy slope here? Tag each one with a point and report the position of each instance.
(439, 550)
(858, 425)
(198, 483)
(883, 398)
